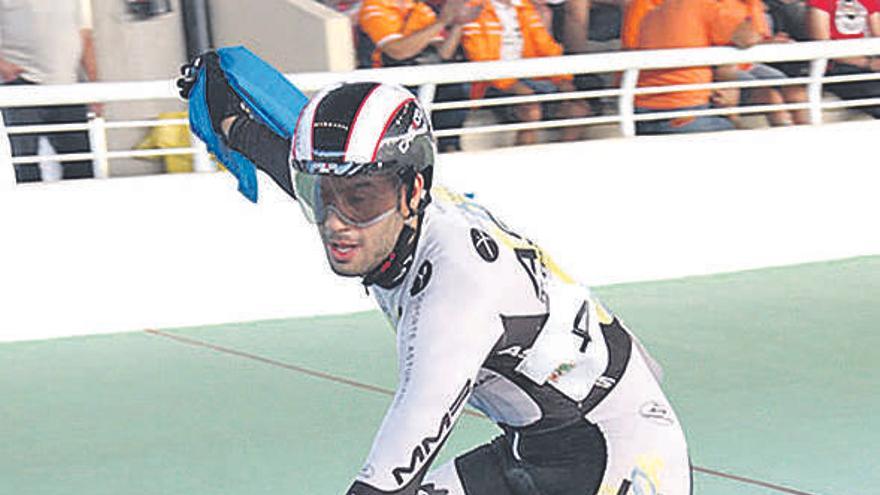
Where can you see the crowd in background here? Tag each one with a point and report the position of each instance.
(417, 32)
(50, 42)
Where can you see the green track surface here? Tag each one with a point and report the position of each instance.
(773, 372)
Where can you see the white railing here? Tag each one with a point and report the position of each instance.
(627, 63)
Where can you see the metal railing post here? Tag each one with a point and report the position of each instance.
(98, 143)
(814, 89)
(426, 96)
(201, 158)
(626, 102)
(7, 175)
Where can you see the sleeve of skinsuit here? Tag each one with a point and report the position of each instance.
(267, 150)
(448, 327)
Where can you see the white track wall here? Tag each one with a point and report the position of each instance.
(128, 254)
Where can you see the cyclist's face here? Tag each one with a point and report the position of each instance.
(355, 250)
(360, 201)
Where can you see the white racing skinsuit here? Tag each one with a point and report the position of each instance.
(483, 317)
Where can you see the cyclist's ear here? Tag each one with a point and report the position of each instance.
(414, 190)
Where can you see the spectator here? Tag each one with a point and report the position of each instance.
(512, 30)
(46, 42)
(690, 24)
(584, 26)
(848, 19)
(771, 95)
(410, 32)
(787, 22)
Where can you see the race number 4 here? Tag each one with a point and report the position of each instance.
(580, 326)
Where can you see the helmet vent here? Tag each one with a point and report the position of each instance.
(335, 116)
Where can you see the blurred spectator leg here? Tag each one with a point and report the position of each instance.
(574, 109)
(450, 119)
(591, 82)
(682, 125)
(855, 90)
(770, 96)
(70, 142)
(24, 144)
(533, 112)
(797, 94)
(725, 98)
(528, 112)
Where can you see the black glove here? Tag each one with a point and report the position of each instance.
(188, 74)
(222, 101)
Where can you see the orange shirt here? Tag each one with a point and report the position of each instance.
(636, 10)
(687, 24)
(387, 20)
(481, 40)
(758, 13)
(759, 19)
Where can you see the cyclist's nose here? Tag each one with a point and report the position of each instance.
(334, 222)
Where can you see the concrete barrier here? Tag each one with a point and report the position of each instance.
(127, 254)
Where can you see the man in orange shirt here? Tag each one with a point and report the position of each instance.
(764, 95)
(635, 11)
(512, 30)
(409, 32)
(691, 24)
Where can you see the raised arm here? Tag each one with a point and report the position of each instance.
(467, 13)
(577, 21)
(259, 144)
(232, 120)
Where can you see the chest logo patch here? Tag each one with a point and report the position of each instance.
(486, 247)
(657, 413)
(423, 276)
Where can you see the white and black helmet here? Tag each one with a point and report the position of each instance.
(354, 128)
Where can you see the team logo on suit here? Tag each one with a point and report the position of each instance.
(423, 276)
(486, 247)
(656, 412)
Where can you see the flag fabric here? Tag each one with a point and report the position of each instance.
(271, 98)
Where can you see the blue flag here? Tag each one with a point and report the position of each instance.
(271, 98)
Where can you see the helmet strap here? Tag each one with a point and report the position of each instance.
(393, 269)
(425, 200)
